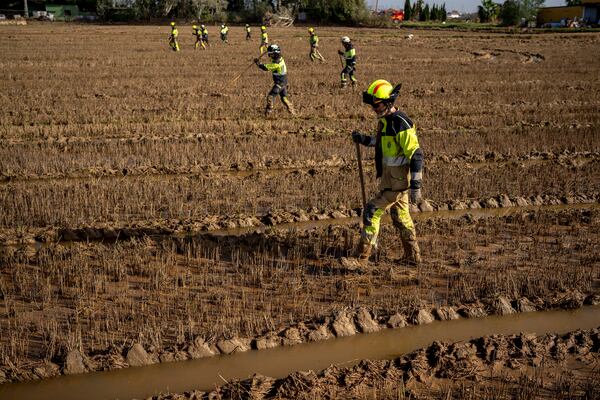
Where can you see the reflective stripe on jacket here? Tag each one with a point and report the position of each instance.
(350, 55)
(279, 70)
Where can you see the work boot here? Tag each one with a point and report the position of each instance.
(360, 258)
(412, 253)
(343, 84)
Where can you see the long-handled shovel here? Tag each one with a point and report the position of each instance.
(361, 176)
(244, 71)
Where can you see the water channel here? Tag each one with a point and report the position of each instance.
(204, 374)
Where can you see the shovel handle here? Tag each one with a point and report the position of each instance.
(361, 176)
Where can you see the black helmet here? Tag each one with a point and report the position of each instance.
(274, 51)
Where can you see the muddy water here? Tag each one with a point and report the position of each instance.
(206, 373)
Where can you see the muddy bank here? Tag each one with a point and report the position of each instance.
(285, 219)
(344, 323)
(497, 366)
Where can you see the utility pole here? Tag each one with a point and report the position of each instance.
(376, 5)
(26, 9)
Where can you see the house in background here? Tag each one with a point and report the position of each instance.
(63, 12)
(556, 16)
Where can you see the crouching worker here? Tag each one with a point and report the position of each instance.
(399, 164)
(280, 80)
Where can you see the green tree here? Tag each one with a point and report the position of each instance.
(407, 10)
(487, 11)
(444, 12)
(425, 15)
(509, 13)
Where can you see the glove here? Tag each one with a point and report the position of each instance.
(415, 195)
(358, 137)
(415, 191)
(256, 60)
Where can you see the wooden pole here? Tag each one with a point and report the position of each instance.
(361, 176)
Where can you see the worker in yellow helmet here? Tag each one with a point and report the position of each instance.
(280, 80)
(224, 33)
(198, 35)
(314, 54)
(264, 40)
(204, 33)
(399, 165)
(248, 32)
(173, 37)
(349, 54)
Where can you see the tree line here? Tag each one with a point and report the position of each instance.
(419, 11)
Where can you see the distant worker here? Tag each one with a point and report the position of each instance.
(349, 54)
(224, 32)
(280, 80)
(264, 40)
(315, 54)
(198, 35)
(204, 32)
(248, 34)
(173, 37)
(399, 165)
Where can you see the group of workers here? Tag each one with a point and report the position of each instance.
(398, 156)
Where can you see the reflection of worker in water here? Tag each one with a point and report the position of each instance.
(173, 37)
(399, 164)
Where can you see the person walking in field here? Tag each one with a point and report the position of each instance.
(224, 33)
(264, 40)
(173, 37)
(314, 44)
(204, 33)
(349, 54)
(399, 165)
(248, 33)
(198, 35)
(280, 80)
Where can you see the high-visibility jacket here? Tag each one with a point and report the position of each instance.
(248, 29)
(314, 40)
(205, 32)
(174, 33)
(196, 32)
(264, 38)
(397, 151)
(350, 55)
(224, 31)
(279, 70)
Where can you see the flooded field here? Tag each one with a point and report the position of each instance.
(151, 214)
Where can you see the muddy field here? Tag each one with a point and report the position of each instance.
(146, 204)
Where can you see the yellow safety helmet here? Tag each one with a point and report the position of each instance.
(311, 30)
(263, 28)
(194, 27)
(172, 23)
(381, 91)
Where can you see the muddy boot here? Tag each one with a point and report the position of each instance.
(360, 259)
(289, 106)
(269, 107)
(412, 253)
